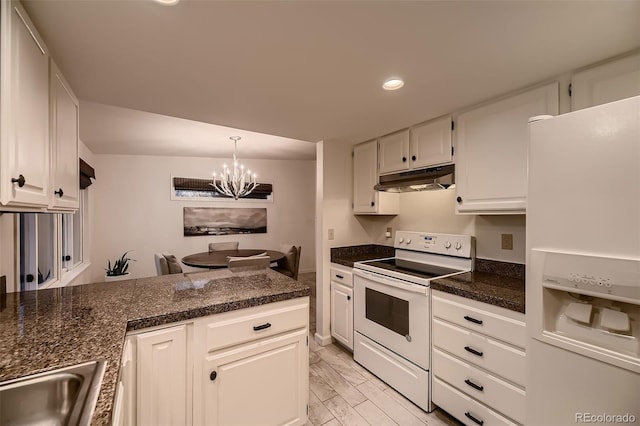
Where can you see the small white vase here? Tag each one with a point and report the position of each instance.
(109, 278)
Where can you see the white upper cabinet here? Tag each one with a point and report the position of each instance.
(24, 123)
(64, 143)
(430, 143)
(609, 82)
(366, 200)
(394, 152)
(491, 152)
(425, 145)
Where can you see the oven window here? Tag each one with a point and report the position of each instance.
(388, 311)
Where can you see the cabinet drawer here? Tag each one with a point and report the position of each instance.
(243, 325)
(342, 276)
(464, 408)
(498, 358)
(494, 321)
(486, 388)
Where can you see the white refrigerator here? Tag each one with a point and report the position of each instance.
(583, 267)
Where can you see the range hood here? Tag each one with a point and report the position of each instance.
(433, 178)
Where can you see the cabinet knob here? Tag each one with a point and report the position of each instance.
(459, 200)
(373, 204)
(348, 297)
(404, 159)
(66, 258)
(30, 278)
(213, 375)
(414, 158)
(59, 192)
(20, 181)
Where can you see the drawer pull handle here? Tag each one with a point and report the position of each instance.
(480, 422)
(261, 327)
(473, 320)
(340, 276)
(473, 351)
(473, 385)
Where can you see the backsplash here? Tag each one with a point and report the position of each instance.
(513, 270)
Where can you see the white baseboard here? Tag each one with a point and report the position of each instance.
(304, 271)
(322, 340)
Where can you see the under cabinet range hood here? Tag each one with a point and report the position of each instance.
(433, 178)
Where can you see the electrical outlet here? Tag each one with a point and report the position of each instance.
(331, 234)
(388, 233)
(507, 241)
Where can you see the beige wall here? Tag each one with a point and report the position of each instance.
(434, 211)
(133, 210)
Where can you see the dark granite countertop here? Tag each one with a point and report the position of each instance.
(49, 329)
(348, 255)
(498, 290)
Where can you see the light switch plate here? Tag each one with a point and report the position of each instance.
(331, 234)
(507, 241)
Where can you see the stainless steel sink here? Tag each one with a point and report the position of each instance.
(66, 396)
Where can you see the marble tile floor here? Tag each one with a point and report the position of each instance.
(341, 392)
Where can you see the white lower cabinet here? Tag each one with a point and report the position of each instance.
(342, 305)
(244, 367)
(162, 376)
(478, 361)
(260, 383)
(155, 378)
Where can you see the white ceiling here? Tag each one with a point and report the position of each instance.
(307, 70)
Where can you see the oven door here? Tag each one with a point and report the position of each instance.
(393, 313)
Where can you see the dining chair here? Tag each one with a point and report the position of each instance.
(289, 265)
(225, 245)
(166, 264)
(251, 263)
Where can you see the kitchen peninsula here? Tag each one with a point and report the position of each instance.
(49, 329)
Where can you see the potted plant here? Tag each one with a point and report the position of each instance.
(119, 269)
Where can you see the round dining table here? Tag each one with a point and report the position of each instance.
(218, 258)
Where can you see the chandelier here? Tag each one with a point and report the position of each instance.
(235, 182)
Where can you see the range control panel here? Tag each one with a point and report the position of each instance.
(427, 242)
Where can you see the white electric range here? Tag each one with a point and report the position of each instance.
(392, 308)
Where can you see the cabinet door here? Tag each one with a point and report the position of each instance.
(124, 405)
(25, 111)
(491, 151)
(606, 83)
(162, 377)
(342, 314)
(64, 133)
(394, 152)
(260, 383)
(431, 143)
(364, 177)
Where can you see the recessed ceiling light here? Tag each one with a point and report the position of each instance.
(167, 2)
(393, 84)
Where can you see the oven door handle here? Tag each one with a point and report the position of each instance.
(392, 282)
